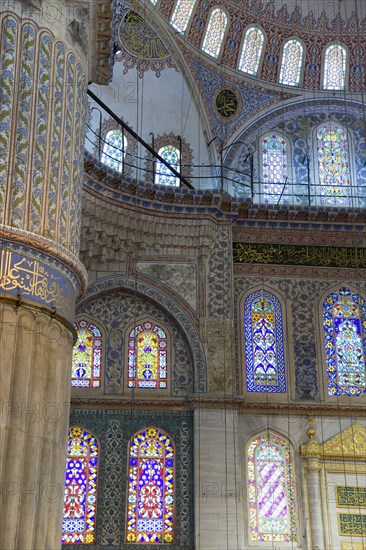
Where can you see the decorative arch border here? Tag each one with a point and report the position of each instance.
(172, 308)
(293, 512)
(186, 158)
(318, 314)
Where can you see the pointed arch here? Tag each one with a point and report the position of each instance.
(264, 343)
(87, 355)
(335, 65)
(251, 52)
(182, 14)
(275, 169)
(150, 494)
(114, 149)
(163, 176)
(291, 62)
(344, 329)
(271, 489)
(80, 501)
(333, 165)
(214, 36)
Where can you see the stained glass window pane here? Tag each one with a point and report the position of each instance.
(150, 507)
(333, 166)
(274, 169)
(271, 490)
(147, 357)
(215, 33)
(114, 149)
(344, 321)
(264, 347)
(252, 50)
(335, 67)
(87, 356)
(80, 503)
(163, 175)
(181, 15)
(291, 63)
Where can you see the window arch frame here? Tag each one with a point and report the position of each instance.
(149, 391)
(93, 506)
(132, 476)
(289, 185)
(104, 158)
(287, 354)
(224, 34)
(184, 31)
(346, 69)
(351, 165)
(302, 64)
(356, 400)
(98, 389)
(157, 167)
(262, 54)
(294, 511)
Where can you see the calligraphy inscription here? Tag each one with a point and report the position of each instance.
(226, 103)
(352, 525)
(31, 278)
(326, 256)
(351, 496)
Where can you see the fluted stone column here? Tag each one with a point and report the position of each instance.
(42, 106)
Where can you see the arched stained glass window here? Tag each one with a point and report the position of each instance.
(150, 506)
(335, 60)
(80, 503)
(87, 356)
(333, 165)
(147, 357)
(114, 149)
(274, 169)
(264, 346)
(163, 175)
(215, 33)
(271, 490)
(291, 63)
(252, 51)
(344, 321)
(181, 15)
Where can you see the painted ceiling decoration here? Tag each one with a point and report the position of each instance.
(137, 43)
(249, 99)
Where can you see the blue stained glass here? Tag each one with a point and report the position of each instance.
(114, 150)
(344, 322)
(264, 346)
(150, 508)
(163, 175)
(274, 169)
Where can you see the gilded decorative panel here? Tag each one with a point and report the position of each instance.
(352, 525)
(351, 497)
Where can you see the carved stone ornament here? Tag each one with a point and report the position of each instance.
(351, 444)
